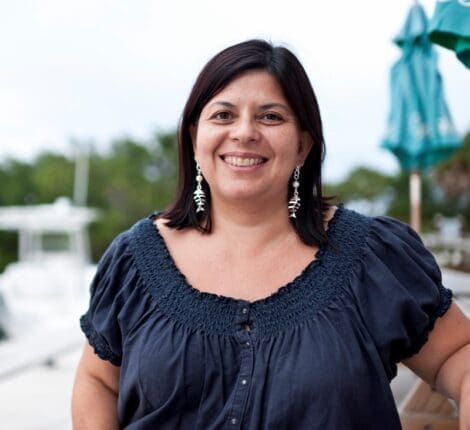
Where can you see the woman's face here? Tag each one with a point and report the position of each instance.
(248, 142)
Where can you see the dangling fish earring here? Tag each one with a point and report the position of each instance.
(294, 202)
(199, 195)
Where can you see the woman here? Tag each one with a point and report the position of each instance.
(252, 303)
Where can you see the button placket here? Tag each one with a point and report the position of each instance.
(241, 391)
(243, 318)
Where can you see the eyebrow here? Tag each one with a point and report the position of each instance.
(275, 105)
(262, 107)
(225, 104)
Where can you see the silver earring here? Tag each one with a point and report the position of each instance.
(294, 202)
(199, 195)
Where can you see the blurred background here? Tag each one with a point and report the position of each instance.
(90, 98)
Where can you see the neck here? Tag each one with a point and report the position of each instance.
(251, 227)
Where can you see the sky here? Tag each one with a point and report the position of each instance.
(98, 70)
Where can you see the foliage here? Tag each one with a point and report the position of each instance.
(453, 176)
(8, 248)
(361, 183)
(453, 180)
(128, 182)
(16, 180)
(135, 179)
(433, 201)
(445, 189)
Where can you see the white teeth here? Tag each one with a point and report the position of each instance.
(242, 161)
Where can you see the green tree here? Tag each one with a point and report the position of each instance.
(16, 189)
(126, 183)
(129, 182)
(453, 175)
(431, 200)
(51, 177)
(361, 183)
(16, 183)
(452, 179)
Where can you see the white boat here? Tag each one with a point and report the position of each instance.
(46, 290)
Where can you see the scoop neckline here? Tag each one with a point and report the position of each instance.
(282, 290)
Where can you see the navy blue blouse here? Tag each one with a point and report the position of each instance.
(319, 354)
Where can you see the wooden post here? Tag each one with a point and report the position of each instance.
(415, 200)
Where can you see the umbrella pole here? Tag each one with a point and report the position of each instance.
(415, 200)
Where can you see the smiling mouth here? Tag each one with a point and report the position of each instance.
(243, 161)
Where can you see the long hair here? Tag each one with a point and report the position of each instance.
(224, 67)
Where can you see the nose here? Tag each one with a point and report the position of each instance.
(245, 129)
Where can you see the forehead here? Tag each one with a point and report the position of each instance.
(252, 85)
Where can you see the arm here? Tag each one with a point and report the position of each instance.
(444, 361)
(95, 391)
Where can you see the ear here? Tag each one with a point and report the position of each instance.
(305, 145)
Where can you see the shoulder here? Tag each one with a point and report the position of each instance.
(352, 223)
(121, 251)
(118, 298)
(143, 234)
(393, 257)
(121, 243)
(346, 228)
(374, 241)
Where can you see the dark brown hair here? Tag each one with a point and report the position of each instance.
(292, 78)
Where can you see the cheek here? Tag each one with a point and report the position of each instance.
(206, 143)
(205, 152)
(287, 147)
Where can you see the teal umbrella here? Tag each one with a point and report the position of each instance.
(420, 131)
(450, 27)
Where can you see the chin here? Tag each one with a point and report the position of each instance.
(244, 195)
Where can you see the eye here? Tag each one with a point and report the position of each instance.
(271, 117)
(222, 115)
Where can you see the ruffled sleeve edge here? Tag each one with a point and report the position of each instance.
(445, 300)
(445, 294)
(100, 347)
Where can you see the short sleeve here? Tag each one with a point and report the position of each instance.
(109, 293)
(399, 291)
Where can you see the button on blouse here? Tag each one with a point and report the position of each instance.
(317, 354)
